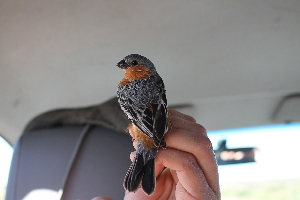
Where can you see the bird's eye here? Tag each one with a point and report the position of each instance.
(134, 62)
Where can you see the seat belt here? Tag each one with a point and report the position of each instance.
(71, 163)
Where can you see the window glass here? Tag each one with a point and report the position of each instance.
(274, 175)
(6, 151)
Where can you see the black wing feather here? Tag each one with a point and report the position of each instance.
(154, 122)
(151, 119)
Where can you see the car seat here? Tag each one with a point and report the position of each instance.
(72, 154)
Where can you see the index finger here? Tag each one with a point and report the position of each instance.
(191, 137)
(181, 115)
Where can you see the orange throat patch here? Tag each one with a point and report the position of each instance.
(138, 72)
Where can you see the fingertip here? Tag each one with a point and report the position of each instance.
(134, 143)
(132, 155)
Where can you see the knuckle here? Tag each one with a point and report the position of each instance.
(203, 143)
(190, 162)
(201, 130)
(190, 118)
(206, 144)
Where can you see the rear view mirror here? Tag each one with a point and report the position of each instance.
(227, 156)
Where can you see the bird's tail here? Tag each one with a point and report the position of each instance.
(142, 170)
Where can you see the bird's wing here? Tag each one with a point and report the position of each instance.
(152, 120)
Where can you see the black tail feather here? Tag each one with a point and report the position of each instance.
(142, 170)
(148, 181)
(134, 175)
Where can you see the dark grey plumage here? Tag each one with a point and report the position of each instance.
(145, 104)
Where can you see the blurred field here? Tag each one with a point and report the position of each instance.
(2, 193)
(273, 190)
(267, 190)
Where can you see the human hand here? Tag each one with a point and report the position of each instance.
(191, 169)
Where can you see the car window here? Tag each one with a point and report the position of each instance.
(6, 151)
(275, 172)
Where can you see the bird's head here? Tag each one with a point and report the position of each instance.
(134, 60)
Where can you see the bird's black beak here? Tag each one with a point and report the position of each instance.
(122, 64)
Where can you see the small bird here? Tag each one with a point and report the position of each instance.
(142, 97)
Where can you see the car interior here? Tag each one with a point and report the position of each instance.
(231, 65)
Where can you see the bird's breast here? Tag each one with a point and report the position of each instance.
(135, 73)
(142, 92)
